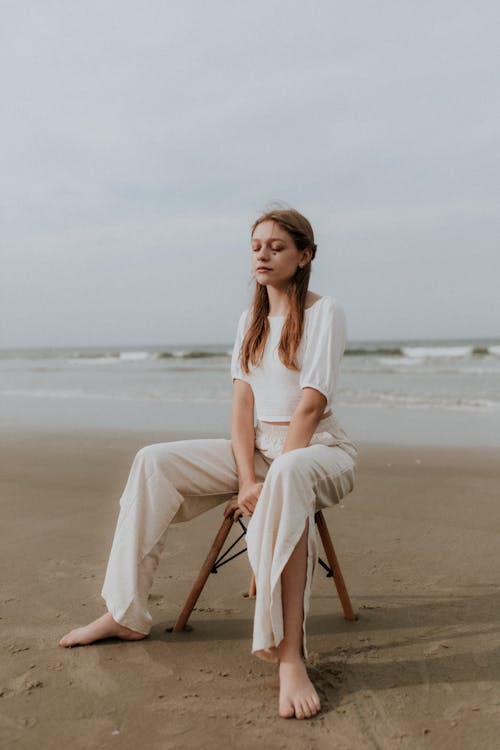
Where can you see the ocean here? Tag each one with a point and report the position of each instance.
(175, 387)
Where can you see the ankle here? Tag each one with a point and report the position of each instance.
(290, 656)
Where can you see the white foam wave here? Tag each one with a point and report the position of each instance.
(107, 359)
(86, 361)
(34, 393)
(477, 371)
(421, 367)
(398, 401)
(134, 356)
(79, 394)
(398, 361)
(437, 351)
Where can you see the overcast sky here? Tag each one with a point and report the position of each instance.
(139, 140)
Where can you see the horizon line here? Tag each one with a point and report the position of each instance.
(350, 343)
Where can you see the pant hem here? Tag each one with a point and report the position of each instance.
(122, 619)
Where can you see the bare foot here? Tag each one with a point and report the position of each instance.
(103, 627)
(297, 694)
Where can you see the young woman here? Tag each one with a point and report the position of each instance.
(296, 460)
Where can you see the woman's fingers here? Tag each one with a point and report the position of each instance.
(232, 504)
(244, 509)
(244, 503)
(243, 506)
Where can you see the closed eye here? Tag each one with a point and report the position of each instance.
(256, 248)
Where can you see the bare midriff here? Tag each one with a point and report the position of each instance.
(328, 414)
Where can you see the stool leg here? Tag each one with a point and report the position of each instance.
(252, 589)
(338, 578)
(198, 585)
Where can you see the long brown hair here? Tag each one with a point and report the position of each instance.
(252, 348)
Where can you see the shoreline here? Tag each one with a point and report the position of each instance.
(144, 436)
(363, 424)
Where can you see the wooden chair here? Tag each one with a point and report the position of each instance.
(213, 562)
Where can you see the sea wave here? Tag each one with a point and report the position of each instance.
(191, 354)
(395, 351)
(81, 394)
(132, 355)
(405, 401)
(399, 361)
(91, 355)
(348, 397)
(423, 352)
(437, 351)
(81, 359)
(367, 351)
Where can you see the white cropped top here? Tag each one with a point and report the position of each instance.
(277, 389)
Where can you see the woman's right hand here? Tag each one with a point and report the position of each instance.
(243, 504)
(248, 495)
(246, 500)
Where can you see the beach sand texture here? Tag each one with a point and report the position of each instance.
(419, 544)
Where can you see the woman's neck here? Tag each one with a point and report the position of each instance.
(278, 302)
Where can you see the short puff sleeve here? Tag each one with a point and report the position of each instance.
(236, 371)
(325, 344)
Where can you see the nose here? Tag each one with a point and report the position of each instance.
(262, 255)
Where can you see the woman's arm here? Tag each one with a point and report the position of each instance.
(242, 431)
(305, 419)
(243, 445)
(323, 353)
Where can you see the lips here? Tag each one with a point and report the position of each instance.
(264, 268)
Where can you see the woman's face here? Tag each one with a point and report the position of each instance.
(274, 249)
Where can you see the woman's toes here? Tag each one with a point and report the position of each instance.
(298, 696)
(299, 710)
(69, 639)
(306, 708)
(286, 710)
(312, 707)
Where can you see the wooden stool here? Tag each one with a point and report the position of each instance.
(213, 562)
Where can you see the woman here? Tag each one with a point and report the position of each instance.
(297, 460)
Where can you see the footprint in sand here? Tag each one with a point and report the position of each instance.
(24, 683)
(14, 648)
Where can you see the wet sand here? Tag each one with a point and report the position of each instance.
(419, 545)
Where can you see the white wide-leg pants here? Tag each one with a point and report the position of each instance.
(176, 481)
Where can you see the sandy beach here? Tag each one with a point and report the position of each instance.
(419, 544)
